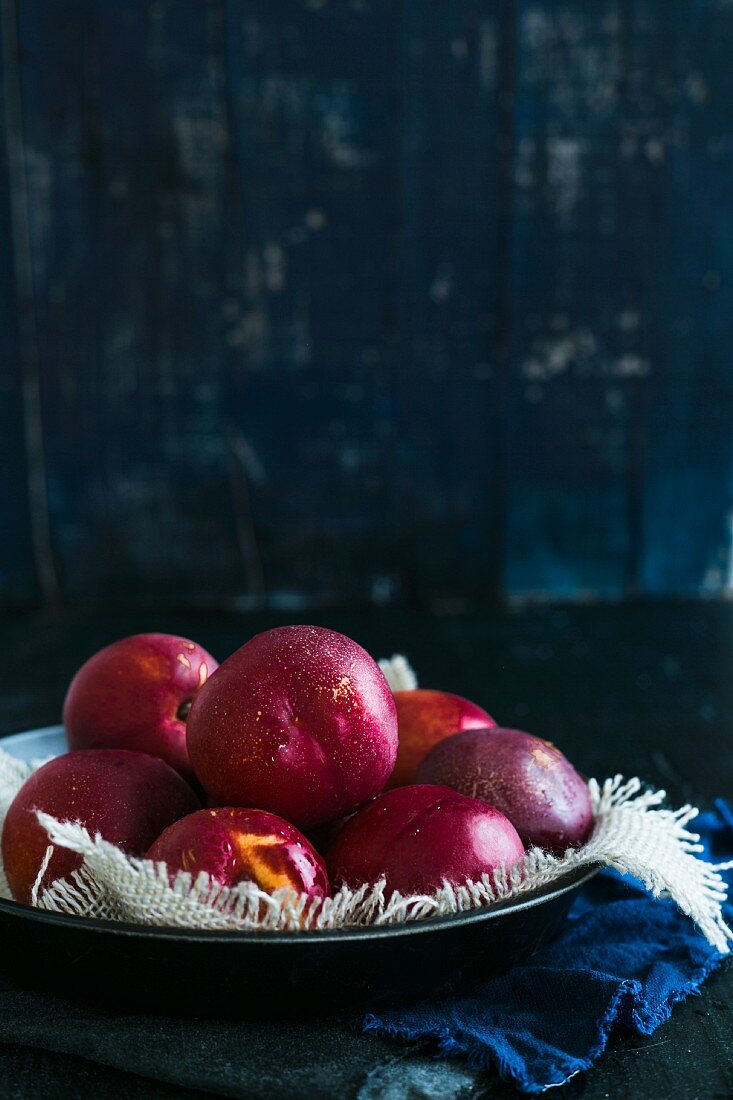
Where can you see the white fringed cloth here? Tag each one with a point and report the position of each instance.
(633, 833)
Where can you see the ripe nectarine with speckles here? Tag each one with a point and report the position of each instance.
(299, 721)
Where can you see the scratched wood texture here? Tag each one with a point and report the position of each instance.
(365, 301)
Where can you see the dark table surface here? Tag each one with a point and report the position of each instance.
(643, 690)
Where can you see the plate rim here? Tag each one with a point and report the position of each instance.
(570, 880)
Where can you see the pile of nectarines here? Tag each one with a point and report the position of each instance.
(229, 770)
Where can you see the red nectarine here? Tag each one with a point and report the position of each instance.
(425, 717)
(299, 721)
(234, 845)
(136, 694)
(126, 797)
(418, 837)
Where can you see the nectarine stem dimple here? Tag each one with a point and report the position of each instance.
(183, 710)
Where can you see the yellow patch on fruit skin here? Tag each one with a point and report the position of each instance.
(152, 665)
(184, 660)
(544, 759)
(342, 690)
(264, 874)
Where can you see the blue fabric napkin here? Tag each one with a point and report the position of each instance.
(622, 960)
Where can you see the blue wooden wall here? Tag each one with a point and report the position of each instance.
(367, 300)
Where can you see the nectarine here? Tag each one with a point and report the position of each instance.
(425, 717)
(234, 845)
(126, 797)
(299, 721)
(418, 837)
(136, 694)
